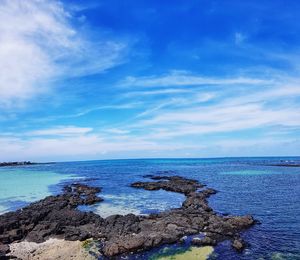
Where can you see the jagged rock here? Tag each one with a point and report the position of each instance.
(173, 183)
(2, 164)
(4, 249)
(238, 244)
(206, 241)
(58, 216)
(183, 239)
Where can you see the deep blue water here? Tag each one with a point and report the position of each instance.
(246, 186)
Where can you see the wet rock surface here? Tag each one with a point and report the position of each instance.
(58, 216)
(238, 244)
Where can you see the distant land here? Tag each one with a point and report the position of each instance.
(16, 163)
(3, 164)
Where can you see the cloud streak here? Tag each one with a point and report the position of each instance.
(79, 146)
(185, 78)
(61, 131)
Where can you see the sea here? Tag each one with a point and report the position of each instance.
(256, 186)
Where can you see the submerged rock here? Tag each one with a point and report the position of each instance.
(58, 216)
(238, 244)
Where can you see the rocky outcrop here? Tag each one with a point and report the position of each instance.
(4, 249)
(58, 216)
(2, 164)
(238, 244)
(173, 183)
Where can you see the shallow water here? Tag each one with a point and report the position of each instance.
(246, 186)
(19, 186)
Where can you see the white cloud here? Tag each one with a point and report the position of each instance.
(236, 112)
(61, 131)
(117, 131)
(220, 119)
(94, 146)
(256, 147)
(191, 100)
(39, 43)
(169, 91)
(82, 146)
(106, 107)
(184, 78)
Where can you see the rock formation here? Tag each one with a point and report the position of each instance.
(58, 216)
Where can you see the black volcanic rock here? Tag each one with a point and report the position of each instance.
(173, 183)
(58, 216)
(238, 244)
(206, 241)
(4, 249)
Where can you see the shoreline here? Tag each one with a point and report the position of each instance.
(19, 164)
(55, 248)
(58, 217)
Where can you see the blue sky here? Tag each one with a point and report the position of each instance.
(136, 79)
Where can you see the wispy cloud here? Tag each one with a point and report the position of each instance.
(115, 145)
(39, 43)
(61, 131)
(185, 78)
(80, 146)
(169, 91)
(117, 131)
(106, 107)
(237, 110)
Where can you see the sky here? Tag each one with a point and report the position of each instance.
(83, 80)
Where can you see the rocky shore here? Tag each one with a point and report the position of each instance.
(58, 217)
(2, 164)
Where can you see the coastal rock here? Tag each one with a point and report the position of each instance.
(50, 216)
(2, 164)
(173, 183)
(183, 239)
(4, 249)
(58, 216)
(206, 241)
(238, 244)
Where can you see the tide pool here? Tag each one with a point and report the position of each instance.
(192, 253)
(125, 203)
(18, 187)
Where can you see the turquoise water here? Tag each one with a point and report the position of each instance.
(20, 186)
(246, 186)
(249, 172)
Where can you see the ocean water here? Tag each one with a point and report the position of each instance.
(20, 186)
(246, 186)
